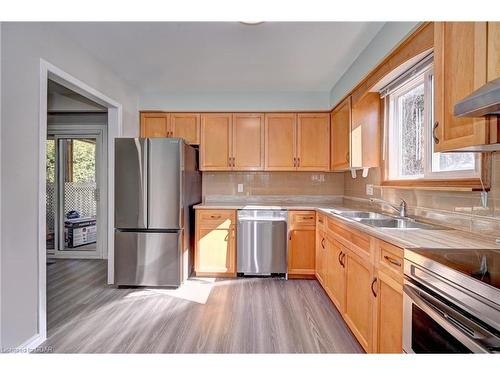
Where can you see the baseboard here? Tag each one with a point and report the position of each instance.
(31, 344)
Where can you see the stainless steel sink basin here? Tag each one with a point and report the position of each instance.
(398, 224)
(364, 215)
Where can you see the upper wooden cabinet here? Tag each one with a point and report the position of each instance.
(186, 126)
(155, 124)
(460, 67)
(216, 136)
(248, 141)
(340, 132)
(280, 135)
(297, 142)
(365, 132)
(313, 138)
(493, 50)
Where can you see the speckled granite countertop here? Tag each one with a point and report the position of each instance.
(405, 238)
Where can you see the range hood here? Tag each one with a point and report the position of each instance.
(482, 102)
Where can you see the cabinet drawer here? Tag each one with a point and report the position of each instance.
(302, 219)
(349, 236)
(390, 257)
(221, 219)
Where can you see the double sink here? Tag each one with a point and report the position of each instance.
(377, 220)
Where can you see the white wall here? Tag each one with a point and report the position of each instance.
(235, 101)
(23, 45)
(386, 40)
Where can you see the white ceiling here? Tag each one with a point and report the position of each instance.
(225, 56)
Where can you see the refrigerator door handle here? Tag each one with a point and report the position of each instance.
(145, 187)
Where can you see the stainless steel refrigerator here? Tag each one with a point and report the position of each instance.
(157, 182)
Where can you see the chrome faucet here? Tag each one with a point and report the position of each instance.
(401, 209)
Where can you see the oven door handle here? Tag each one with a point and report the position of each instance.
(443, 315)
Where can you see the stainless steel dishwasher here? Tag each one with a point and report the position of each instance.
(262, 242)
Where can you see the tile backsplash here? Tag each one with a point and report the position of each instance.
(273, 183)
(466, 207)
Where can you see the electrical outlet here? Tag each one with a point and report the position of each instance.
(369, 189)
(240, 188)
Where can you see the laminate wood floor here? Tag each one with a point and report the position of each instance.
(246, 315)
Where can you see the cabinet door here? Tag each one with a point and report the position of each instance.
(215, 251)
(215, 147)
(340, 128)
(389, 316)
(493, 50)
(335, 273)
(313, 142)
(248, 141)
(320, 258)
(186, 126)
(301, 251)
(358, 308)
(459, 69)
(365, 132)
(155, 124)
(279, 139)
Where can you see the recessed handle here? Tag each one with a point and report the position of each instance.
(373, 283)
(392, 260)
(436, 139)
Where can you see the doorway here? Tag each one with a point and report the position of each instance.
(76, 213)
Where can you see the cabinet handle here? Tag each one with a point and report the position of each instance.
(218, 217)
(290, 236)
(307, 217)
(392, 260)
(436, 139)
(373, 283)
(320, 221)
(347, 157)
(340, 259)
(298, 162)
(322, 243)
(294, 162)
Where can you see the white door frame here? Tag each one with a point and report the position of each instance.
(47, 70)
(99, 133)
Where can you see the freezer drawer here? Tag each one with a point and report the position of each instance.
(147, 258)
(262, 246)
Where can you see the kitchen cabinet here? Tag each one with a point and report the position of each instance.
(313, 138)
(301, 244)
(186, 126)
(279, 138)
(155, 124)
(320, 257)
(365, 132)
(297, 142)
(340, 130)
(247, 151)
(358, 308)
(493, 50)
(215, 251)
(458, 47)
(216, 136)
(389, 314)
(335, 277)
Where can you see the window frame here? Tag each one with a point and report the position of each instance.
(476, 179)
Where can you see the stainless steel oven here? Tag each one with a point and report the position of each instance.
(442, 314)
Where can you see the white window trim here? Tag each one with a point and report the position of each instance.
(394, 132)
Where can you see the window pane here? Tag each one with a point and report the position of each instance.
(411, 123)
(445, 162)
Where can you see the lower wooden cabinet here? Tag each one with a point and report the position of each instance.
(320, 258)
(335, 277)
(301, 243)
(215, 252)
(389, 314)
(359, 301)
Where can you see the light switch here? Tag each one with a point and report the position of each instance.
(240, 188)
(369, 189)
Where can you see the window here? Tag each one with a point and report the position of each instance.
(410, 146)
